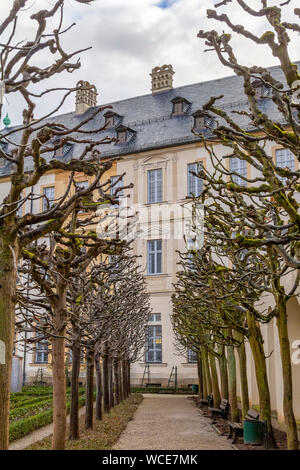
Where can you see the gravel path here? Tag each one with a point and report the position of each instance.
(38, 435)
(170, 422)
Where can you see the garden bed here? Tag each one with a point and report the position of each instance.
(33, 408)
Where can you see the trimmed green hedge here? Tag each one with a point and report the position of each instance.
(30, 401)
(25, 426)
(29, 408)
(31, 423)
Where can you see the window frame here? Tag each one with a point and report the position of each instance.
(156, 252)
(242, 165)
(281, 165)
(43, 350)
(45, 199)
(199, 181)
(156, 350)
(189, 351)
(158, 190)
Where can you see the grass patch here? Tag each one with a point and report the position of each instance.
(105, 433)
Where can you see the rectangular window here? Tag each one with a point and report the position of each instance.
(154, 256)
(48, 197)
(154, 186)
(285, 159)
(81, 185)
(240, 167)
(41, 352)
(195, 184)
(116, 185)
(192, 356)
(154, 317)
(154, 344)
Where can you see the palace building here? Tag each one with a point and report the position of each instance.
(159, 151)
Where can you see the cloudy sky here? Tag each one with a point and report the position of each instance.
(130, 37)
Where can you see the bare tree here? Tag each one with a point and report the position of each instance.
(268, 204)
(33, 142)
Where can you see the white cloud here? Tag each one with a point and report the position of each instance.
(130, 37)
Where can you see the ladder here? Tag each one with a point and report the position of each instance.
(173, 378)
(146, 374)
(39, 378)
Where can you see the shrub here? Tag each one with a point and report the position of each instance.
(26, 425)
(30, 409)
(30, 401)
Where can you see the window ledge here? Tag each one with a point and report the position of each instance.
(189, 364)
(157, 275)
(154, 364)
(148, 204)
(39, 364)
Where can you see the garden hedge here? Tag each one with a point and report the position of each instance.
(31, 423)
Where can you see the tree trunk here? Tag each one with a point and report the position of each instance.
(207, 372)
(232, 384)
(243, 377)
(214, 380)
(122, 392)
(124, 379)
(58, 372)
(111, 389)
(128, 378)
(7, 325)
(99, 387)
(200, 376)
(204, 381)
(74, 411)
(116, 381)
(256, 344)
(290, 422)
(223, 374)
(89, 405)
(105, 382)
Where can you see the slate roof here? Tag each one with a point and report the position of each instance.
(150, 116)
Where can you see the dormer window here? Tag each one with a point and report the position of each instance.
(180, 106)
(202, 120)
(125, 134)
(111, 119)
(122, 137)
(261, 90)
(62, 151)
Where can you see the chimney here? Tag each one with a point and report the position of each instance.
(86, 97)
(162, 78)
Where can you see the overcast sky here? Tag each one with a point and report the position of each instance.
(130, 37)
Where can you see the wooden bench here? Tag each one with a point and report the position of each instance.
(221, 411)
(207, 402)
(236, 429)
